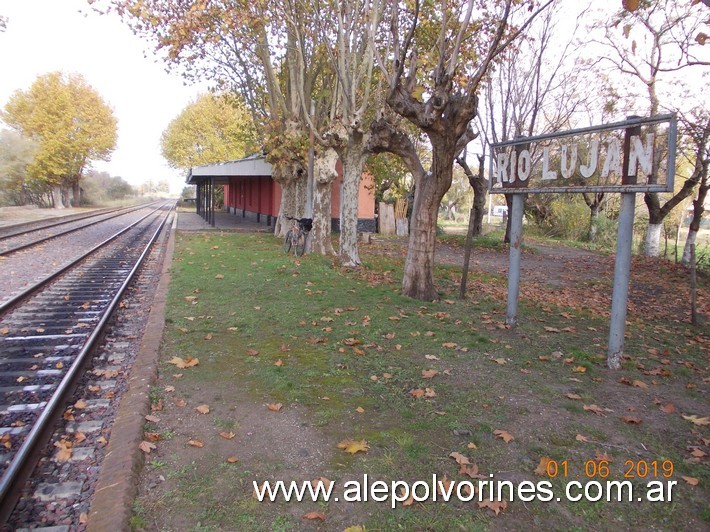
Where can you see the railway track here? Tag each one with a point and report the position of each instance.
(28, 235)
(47, 335)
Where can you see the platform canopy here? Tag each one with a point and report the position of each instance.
(219, 173)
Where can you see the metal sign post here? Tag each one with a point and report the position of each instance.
(516, 251)
(587, 160)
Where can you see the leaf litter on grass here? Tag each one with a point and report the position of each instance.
(406, 423)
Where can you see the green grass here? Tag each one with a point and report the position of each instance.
(335, 330)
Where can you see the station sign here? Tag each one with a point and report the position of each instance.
(636, 155)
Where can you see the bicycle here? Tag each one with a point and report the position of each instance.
(296, 236)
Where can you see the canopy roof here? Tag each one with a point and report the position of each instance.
(252, 166)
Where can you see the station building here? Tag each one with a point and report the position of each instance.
(250, 192)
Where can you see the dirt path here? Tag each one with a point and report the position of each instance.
(580, 278)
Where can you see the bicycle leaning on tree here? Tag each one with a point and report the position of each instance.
(296, 236)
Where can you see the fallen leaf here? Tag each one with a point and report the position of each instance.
(196, 442)
(219, 276)
(471, 470)
(315, 515)
(429, 393)
(695, 420)
(170, 389)
(431, 357)
(579, 369)
(152, 436)
(252, 352)
(500, 361)
(279, 363)
(146, 446)
(472, 445)
(184, 363)
(639, 384)
(203, 409)
(65, 452)
(631, 420)
(227, 435)
(208, 336)
(416, 393)
(406, 503)
(180, 403)
(321, 480)
(232, 459)
(443, 486)
(496, 506)
(460, 459)
(449, 344)
(668, 408)
(573, 396)
(541, 468)
(552, 329)
(581, 438)
(352, 446)
(274, 407)
(360, 410)
(503, 435)
(79, 437)
(594, 408)
(691, 480)
(697, 453)
(429, 373)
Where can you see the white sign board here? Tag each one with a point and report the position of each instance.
(636, 155)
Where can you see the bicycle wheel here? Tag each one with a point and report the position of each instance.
(300, 244)
(287, 241)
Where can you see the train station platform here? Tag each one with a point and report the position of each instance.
(191, 221)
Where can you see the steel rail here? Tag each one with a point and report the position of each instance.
(22, 464)
(6, 305)
(127, 210)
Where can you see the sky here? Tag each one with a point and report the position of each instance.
(48, 35)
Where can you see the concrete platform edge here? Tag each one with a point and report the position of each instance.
(117, 486)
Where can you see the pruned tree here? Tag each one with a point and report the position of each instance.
(263, 51)
(433, 81)
(72, 127)
(348, 30)
(650, 42)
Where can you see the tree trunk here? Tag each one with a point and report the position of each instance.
(479, 208)
(292, 178)
(76, 194)
(418, 279)
(324, 175)
(353, 157)
(57, 197)
(593, 225)
(652, 242)
(698, 210)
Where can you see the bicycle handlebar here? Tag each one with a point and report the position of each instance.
(306, 224)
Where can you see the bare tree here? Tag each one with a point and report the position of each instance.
(536, 90)
(646, 44)
(697, 126)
